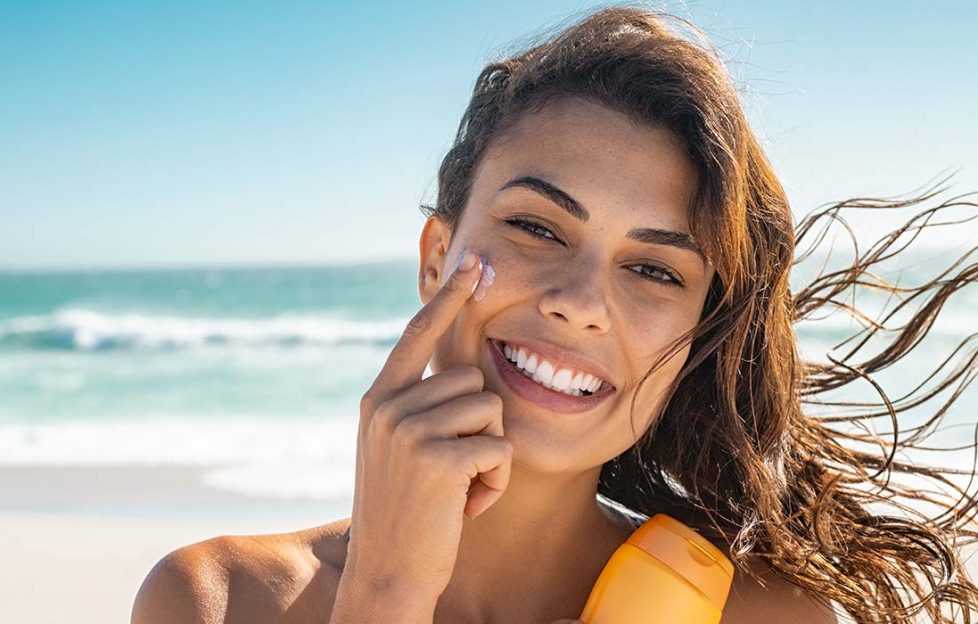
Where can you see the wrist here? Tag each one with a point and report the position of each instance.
(362, 597)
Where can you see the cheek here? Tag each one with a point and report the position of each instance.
(651, 392)
(508, 254)
(516, 273)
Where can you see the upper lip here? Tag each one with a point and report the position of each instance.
(561, 356)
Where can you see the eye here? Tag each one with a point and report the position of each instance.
(531, 228)
(670, 279)
(658, 274)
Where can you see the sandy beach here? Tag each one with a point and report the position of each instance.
(97, 564)
(96, 532)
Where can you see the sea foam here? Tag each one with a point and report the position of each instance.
(88, 330)
(275, 457)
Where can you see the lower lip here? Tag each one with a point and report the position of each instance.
(530, 390)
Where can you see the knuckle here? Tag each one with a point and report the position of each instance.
(470, 375)
(478, 377)
(385, 416)
(505, 445)
(410, 431)
(493, 400)
(368, 402)
(419, 324)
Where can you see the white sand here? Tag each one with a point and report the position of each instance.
(76, 543)
(70, 553)
(64, 568)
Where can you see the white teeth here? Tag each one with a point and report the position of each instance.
(544, 373)
(562, 380)
(587, 382)
(576, 382)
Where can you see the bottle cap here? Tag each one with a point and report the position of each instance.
(687, 552)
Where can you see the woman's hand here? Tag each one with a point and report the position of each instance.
(427, 452)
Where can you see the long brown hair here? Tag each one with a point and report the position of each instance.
(733, 453)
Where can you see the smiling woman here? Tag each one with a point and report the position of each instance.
(618, 149)
(635, 354)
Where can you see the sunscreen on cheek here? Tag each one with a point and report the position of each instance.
(486, 276)
(485, 281)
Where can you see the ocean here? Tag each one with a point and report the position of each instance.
(256, 373)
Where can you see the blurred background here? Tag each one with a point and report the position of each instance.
(209, 225)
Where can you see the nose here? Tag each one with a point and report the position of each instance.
(578, 297)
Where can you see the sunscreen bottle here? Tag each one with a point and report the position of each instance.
(665, 573)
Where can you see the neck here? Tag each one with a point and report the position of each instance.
(535, 554)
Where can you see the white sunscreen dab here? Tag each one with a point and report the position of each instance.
(486, 277)
(485, 280)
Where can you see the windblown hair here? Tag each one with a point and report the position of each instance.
(733, 453)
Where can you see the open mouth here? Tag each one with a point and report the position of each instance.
(574, 393)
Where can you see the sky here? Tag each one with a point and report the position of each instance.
(153, 134)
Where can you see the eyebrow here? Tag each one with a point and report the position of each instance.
(653, 236)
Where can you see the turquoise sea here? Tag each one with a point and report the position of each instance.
(257, 373)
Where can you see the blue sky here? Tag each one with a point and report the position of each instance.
(186, 133)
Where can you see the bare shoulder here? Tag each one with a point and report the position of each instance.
(282, 577)
(778, 601)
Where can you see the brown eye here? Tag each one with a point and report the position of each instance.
(657, 273)
(531, 228)
(660, 274)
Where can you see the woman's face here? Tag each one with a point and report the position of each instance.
(586, 287)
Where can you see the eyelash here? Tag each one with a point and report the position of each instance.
(522, 223)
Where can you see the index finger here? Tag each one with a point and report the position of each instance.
(407, 360)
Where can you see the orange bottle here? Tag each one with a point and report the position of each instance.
(665, 573)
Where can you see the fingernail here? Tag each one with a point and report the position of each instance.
(468, 262)
(464, 261)
(485, 281)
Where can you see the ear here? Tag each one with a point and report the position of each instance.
(436, 238)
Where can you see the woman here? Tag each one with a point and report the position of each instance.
(625, 330)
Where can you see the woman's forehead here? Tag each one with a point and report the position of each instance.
(599, 157)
